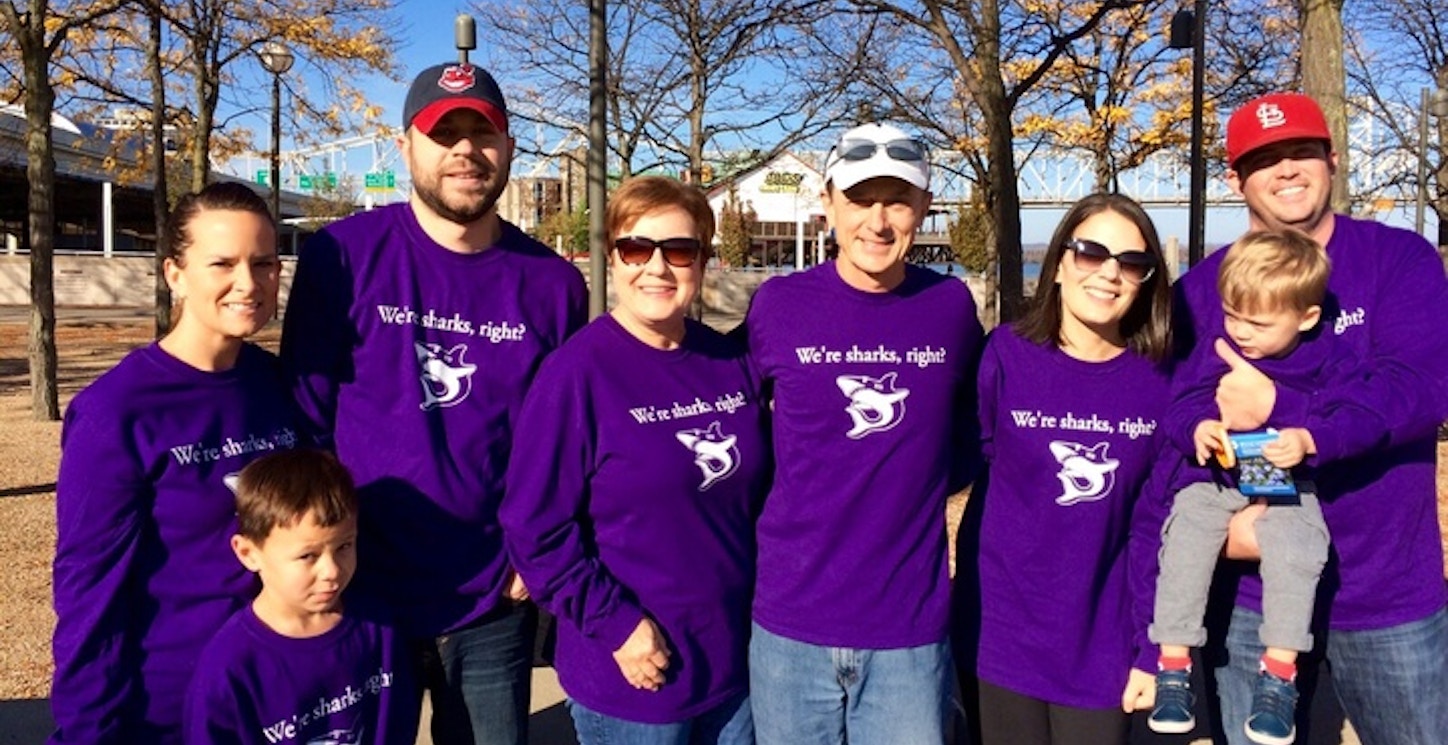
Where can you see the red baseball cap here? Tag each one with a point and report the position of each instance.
(1274, 118)
(443, 88)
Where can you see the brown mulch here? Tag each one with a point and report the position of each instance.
(29, 455)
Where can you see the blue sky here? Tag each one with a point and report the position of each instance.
(427, 39)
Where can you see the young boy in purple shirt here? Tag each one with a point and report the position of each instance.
(293, 666)
(1272, 285)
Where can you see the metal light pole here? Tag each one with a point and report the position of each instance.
(277, 59)
(1434, 104)
(1189, 28)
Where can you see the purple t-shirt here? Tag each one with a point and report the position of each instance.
(414, 360)
(144, 572)
(633, 491)
(1069, 446)
(873, 429)
(1387, 299)
(352, 685)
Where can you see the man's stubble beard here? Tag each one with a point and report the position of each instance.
(431, 195)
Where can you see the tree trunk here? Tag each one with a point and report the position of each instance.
(1325, 79)
(158, 171)
(40, 171)
(1440, 177)
(1005, 206)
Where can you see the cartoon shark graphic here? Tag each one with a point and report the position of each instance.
(231, 480)
(714, 452)
(1086, 473)
(875, 404)
(338, 737)
(446, 379)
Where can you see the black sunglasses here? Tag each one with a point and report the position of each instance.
(910, 151)
(636, 249)
(1089, 256)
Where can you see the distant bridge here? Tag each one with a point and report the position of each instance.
(1046, 177)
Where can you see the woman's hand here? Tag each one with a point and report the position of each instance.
(1140, 693)
(1242, 533)
(643, 657)
(516, 591)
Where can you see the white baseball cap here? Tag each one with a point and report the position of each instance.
(874, 150)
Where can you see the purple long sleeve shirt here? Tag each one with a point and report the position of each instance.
(1069, 446)
(352, 685)
(1387, 299)
(413, 360)
(632, 493)
(873, 428)
(144, 572)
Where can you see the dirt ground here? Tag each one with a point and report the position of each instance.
(29, 455)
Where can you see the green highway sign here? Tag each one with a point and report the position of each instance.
(308, 181)
(380, 181)
(262, 176)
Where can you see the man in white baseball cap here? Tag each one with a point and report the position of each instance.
(870, 361)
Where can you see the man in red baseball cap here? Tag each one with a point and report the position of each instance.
(411, 335)
(1382, 598)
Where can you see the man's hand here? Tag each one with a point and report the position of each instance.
(1140, 693)
(1244, 395)
(1292, 445)
(1242, 533)
(643, 657)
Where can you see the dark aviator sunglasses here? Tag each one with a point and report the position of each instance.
(636, 250)
(910, 151)
(1090, 256)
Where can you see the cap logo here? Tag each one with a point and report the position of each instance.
(1269, 116)
(457, 78)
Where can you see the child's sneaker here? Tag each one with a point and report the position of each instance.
(1172, 714)
(1274, 702)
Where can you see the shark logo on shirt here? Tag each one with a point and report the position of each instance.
(876, 405)
(231, 480)
(337, 737)
(446, 379)
(714, 452)
(1086, 473)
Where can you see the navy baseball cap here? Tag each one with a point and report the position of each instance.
(443, 88)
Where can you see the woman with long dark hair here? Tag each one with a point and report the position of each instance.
(1070, 397)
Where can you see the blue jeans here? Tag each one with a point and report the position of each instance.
(480, 678)
(729, 723)
(1390, 682)
(805, 694)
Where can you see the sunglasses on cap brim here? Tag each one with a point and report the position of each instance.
(1090, 256)
(910, 151)
(635, 249)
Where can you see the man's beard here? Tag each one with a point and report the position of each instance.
(470, 212)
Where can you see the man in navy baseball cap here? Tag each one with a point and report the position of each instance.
(420, 405)
(443, 88)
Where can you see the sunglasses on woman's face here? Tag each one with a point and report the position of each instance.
(636, 250)
(1090, 256)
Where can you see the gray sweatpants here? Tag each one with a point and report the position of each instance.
(1294, 544)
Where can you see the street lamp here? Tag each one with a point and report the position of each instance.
(1189, 29)
(277, 59)
(1434, 104)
